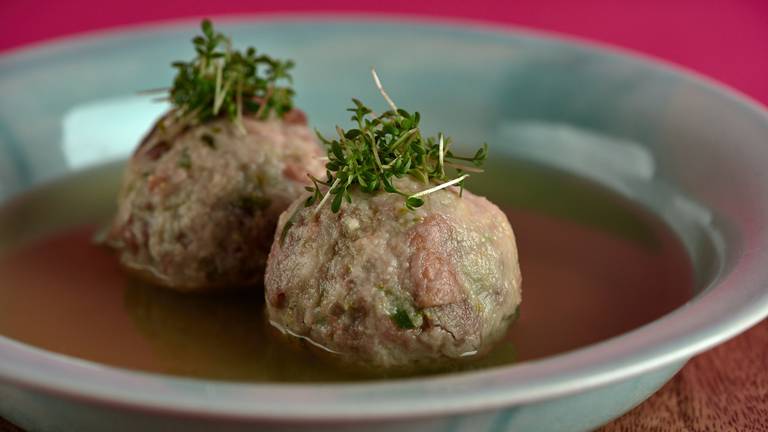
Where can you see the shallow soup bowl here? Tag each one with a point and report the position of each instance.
(690, 150)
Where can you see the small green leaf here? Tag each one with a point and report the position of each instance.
(352, 134)
(402, 319)
(288, 224)
(337, 202)
(414, 202)
(336, 149)
(388, 185)
(207, 28)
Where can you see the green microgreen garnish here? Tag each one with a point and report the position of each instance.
(222, 81)
(402, 319)
(384, 147)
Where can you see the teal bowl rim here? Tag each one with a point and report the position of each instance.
(673, 338)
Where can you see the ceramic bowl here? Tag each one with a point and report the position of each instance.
(693, 151)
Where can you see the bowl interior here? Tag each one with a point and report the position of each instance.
(691, 152)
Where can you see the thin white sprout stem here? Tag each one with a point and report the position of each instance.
(376, 157)
(221, 94)
(327, 195)
(263, 106)
(465, 167)
(217, 99)
(440, 186)
(239, 97)
(284, 330)
(340, 132)
(382, 91)
(442, 167)
(405, 138)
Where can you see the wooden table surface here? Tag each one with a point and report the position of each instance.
(725, 389)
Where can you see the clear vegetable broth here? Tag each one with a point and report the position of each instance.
(594, 266)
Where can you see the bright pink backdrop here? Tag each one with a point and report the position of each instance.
(725, 39)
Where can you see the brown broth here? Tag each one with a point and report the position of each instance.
(588, 275)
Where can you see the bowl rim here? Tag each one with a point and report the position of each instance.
(672, 338)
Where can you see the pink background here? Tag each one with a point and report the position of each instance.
(725, 39)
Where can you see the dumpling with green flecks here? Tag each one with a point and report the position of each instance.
(389, 288)
(201, 195)
(198, 209)
(390, 265)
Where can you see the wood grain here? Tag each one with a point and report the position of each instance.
(725, 389)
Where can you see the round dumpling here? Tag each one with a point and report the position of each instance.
(199, 205)
(389, 288)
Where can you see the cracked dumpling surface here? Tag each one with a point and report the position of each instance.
(388, 288)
